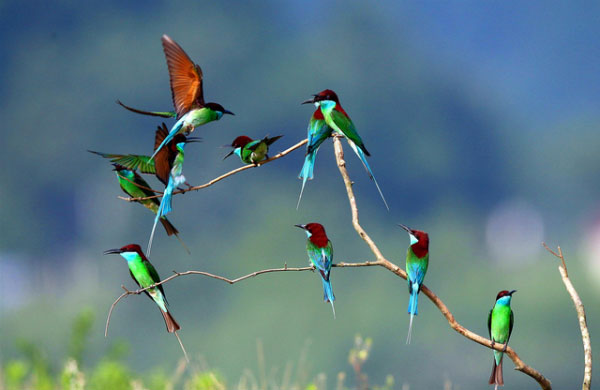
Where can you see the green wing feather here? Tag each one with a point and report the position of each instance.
(130, 161)
(341, 123)
(154, 276)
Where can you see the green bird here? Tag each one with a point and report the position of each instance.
(251, 151)
(145, 275)
(186, 78)
(338, 120)
(500, 325)
(320, 255)
(417, 262)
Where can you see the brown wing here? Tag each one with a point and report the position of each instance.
(161, 160)
(185, 76)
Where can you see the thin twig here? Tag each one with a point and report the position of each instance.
(230, 173)
(382, 261)
(585, 333)
(224, 279)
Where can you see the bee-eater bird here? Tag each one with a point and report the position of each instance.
(337, 118)
(176, 178)
(145, 275)
(135, 186)
(160, 166)
(251, 151)
(320, 255)
(417, 261)
(318, 131)
(188, 97)
(500, 325)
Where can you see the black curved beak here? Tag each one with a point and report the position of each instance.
(303, 227)
(512, 292)
(113, 252)
(312, 100)
(193, 139)
(228, 112)
(229, 154)
(408, 230)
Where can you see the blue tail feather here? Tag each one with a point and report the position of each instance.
(307, 172)
(163, 209)
(413, 302)
(363, 159)
(328, 294)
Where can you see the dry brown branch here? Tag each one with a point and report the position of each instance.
(225, 175)
(585, 334)
(224, 279)
(382, 261)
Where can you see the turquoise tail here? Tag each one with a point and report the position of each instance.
(412, 309)
(328, 294)
(169, 137)
(363, 158)
(307, 172)
(163, 209)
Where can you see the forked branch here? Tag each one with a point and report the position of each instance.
(585, 333)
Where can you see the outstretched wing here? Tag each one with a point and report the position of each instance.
(185, 77)
(130, 161)
(343, 124)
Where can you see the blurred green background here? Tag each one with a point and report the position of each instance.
(482, 121)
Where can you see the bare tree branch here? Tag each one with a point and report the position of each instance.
(381, 260)
(224, 279)
(585, 334)
(230, 173)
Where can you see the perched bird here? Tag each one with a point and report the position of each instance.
(135, 186)
(176, 178)
(500, 325)
(318, 131)
(251, 151)
(320, 255)
(417, 260)
(188, 97)
(145, 275)
(336, 117)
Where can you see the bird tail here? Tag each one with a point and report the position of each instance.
(412, 310)
(307, 172)
(163, 209)
(169, 228)
(359, 152)
(163, 114)
(172, 325)
(169, 137)
(328, 294)
(496, 377)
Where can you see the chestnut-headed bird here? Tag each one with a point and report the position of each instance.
(337, 118)
(417, 261)
(251, 151)
(500, 325)
(320, 255)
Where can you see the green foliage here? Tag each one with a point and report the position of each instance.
(110, 375)
(204, 381)
(15, 372)
(34, 370)
(80, 332)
